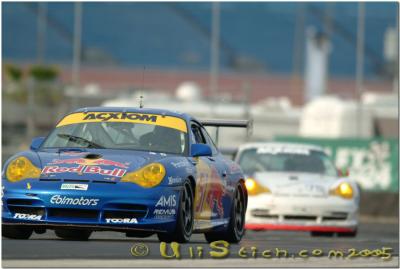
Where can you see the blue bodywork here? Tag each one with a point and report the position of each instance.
(100, 201)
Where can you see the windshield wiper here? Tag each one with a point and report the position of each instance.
(79, 140)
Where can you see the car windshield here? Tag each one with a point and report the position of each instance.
(286, 160)
(167, 135)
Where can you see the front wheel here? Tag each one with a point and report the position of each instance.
(16, 231)
(235, 230)
(73, 234)
(185, 217)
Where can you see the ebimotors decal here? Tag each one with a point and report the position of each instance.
(81, 169)
(65, 200)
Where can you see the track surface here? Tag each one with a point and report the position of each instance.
(112, 245)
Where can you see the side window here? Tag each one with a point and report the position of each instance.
(198, 137)
(209, 141)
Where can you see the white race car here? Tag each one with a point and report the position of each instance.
(297, 187)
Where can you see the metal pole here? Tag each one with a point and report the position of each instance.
(360, 63)
(41, 32)
(214, 61)
(30, 122)
(396, 62)
(76, 64)
(328, 30)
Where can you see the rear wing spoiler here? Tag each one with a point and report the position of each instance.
(248, 124)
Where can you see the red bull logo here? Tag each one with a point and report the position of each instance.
(81, 169)
(215, 193)
(90, 162)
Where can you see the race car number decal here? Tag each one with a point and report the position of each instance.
(153, 119)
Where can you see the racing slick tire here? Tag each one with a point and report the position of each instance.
(348, 234)
(16, 231)
(73, 234)
(185, 218)
(235, 230)
(318, 233)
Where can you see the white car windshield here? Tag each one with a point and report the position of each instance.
(301, 161)
(119, 135)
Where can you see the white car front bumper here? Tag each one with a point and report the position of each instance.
(330, 214)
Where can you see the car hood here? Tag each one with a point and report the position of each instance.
(94, 164)
(296, 184)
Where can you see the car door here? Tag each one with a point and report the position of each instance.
(210, 188)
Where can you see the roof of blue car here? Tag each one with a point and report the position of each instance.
(135, 110)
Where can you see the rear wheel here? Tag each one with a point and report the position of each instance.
(184, 222)
(16, 231)
(235, 230)
(73, 234)
(326, 234)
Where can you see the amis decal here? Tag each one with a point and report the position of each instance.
(167, 201)
(120, 116)
(81, 169)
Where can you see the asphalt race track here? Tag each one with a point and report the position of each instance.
(114, 249)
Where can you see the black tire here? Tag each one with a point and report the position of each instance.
(185, 218)
(16, 231)
(73, 234)
(348, 234)
(235, 230)
(325, 234)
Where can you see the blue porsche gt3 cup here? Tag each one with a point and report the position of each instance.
(138, 171)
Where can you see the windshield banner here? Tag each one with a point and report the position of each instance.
(153, 119)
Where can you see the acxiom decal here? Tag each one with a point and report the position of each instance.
(65, 200)
(131, 117)
(120, 116)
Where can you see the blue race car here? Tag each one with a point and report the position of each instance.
(133, 170)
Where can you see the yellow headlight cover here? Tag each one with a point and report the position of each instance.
(343, 190)
(148, 176)
(21, 168)
(253, 188)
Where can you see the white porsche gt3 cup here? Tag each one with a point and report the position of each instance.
(297, 187)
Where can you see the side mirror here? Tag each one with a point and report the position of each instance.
(201, 150)
(36, 143)
(344, 172)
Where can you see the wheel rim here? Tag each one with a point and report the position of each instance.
(187, 209)
(239, 211)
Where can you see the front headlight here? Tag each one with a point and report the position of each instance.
(21, 168)
(253, 188)
(148, 176)
(343, 190)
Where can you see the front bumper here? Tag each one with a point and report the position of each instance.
(330, 214)
(103, 206)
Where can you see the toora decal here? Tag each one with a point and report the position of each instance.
(120, 221)
(27, 216)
